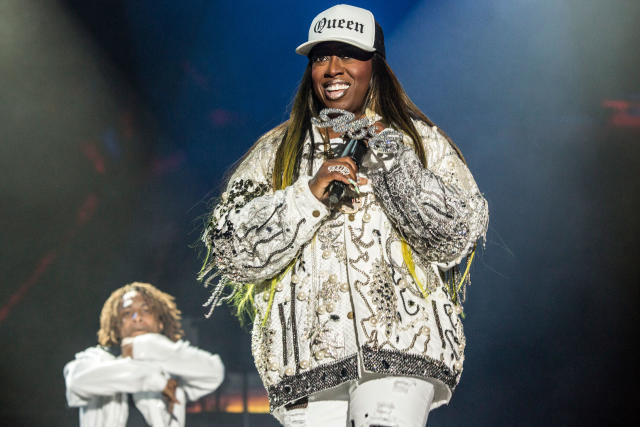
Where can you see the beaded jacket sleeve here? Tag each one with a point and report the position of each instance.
(255, 232)
(438, 210)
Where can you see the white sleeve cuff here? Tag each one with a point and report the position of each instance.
(306, 203)
(151, 347)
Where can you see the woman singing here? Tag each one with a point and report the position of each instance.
(356, 304)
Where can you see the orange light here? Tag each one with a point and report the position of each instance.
(232, 404)
(258, 404)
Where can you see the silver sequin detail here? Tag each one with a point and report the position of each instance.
(438, 220)
(296, 386)
(387, 141)
(400, 363)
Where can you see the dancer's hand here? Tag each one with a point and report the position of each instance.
(127, 350)
(169, 394)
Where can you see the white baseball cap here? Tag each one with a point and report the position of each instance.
(346, 24)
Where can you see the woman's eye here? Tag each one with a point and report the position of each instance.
(345, 57)
(320, 59)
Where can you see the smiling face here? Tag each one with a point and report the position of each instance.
(341, 74)
(137, 317)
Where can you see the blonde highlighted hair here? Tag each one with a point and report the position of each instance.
(161, 304)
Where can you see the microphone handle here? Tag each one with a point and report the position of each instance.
(336, 192)
(355, 149)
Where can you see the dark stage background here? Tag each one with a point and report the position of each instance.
(119, 118)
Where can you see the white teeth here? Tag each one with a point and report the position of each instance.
(336, 90)
(338, 86)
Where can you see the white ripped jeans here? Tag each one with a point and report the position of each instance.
(387, 401)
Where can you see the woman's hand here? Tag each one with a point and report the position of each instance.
(342, 169)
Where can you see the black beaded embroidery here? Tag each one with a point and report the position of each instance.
(293, 387)
(400, 363)
(240, 192)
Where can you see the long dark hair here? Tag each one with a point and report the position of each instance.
(385, 96)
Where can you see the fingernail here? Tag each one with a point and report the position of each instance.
(355, 186)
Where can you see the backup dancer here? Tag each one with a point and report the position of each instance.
(142, 372)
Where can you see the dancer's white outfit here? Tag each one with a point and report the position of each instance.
(98, 382)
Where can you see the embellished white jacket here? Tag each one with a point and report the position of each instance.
(98, 382)
(349, 300)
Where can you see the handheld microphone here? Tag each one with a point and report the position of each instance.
(343, 122)
(356, 149)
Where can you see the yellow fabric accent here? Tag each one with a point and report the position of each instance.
(206, 260)
(248, 296)
(466, 271)
(408, 260)
(272, 291)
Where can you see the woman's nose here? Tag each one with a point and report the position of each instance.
(335, 66)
